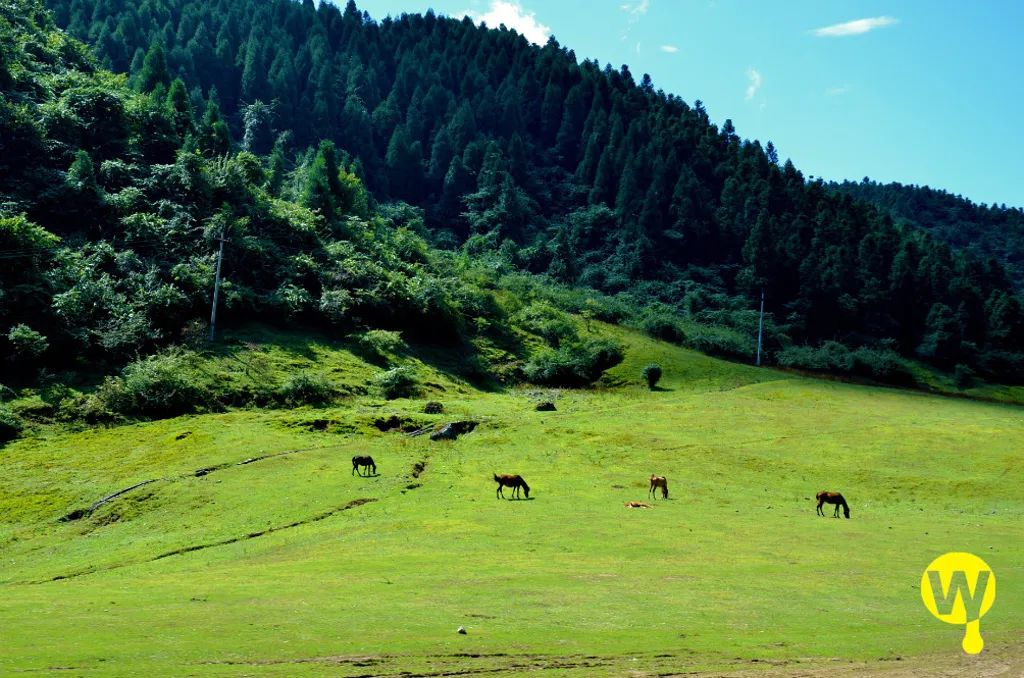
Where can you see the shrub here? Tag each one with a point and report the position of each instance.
(335, 305)
(883, 364)
(377, 344)
(10, 425)
(662, 325)
(163, 385)
(577, 364)
(543, 319)
(1004, 366)
(306, 389)
(877, 363)
(400, 382)
(963, 376)
(27, 342)
(721, 341)
(831, 356)
(652, 374)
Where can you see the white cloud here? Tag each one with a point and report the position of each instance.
(855, 27)
(636, 9)
(671, 49)
(514, 16)
(754, 84)
(836, 91)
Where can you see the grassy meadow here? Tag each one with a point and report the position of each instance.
(291, 566)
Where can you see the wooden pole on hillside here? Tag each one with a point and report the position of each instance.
(216, 289)
(760, 329)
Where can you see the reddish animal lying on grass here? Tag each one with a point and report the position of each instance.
(637, 504)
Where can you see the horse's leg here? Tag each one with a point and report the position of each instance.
(818, 510)
(835, 514)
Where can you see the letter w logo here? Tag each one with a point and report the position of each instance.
(946, 599)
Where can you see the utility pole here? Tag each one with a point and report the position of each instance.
(760, 327)
(216, 288)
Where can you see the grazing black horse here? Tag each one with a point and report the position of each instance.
(513, 481)
(832, 498)
(366, 462)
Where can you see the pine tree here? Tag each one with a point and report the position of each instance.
(154, 69)
(259, 130)
(178, 105)
(322, 188)
(405, 165)
(214, 134)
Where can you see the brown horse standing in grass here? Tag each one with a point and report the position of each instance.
(513, 481)
(656, 482)
(832, 498)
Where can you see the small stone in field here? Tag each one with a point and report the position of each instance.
(462, 630)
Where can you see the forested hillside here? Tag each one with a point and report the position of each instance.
(112, 205)
(995, 231)
(586, 173)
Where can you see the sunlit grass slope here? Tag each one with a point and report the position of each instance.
(289, 565)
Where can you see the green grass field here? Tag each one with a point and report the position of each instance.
(281, 567)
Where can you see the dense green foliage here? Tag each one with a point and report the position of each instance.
(521, 153)
(995, 231)
(116, 189)
(398, 382)
(112, 205)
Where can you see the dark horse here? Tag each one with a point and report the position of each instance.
(366, 462)
(832, 498)
(513, 481)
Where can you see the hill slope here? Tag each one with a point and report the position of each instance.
(524, 155)
(305, 569)
(990, 230)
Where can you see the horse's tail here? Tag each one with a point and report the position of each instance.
(496, 478)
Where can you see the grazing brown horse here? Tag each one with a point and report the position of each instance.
(366, 462)
(656, 482)
(513, 481)
(832, 498)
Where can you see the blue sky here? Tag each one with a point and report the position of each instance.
(929, 92)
